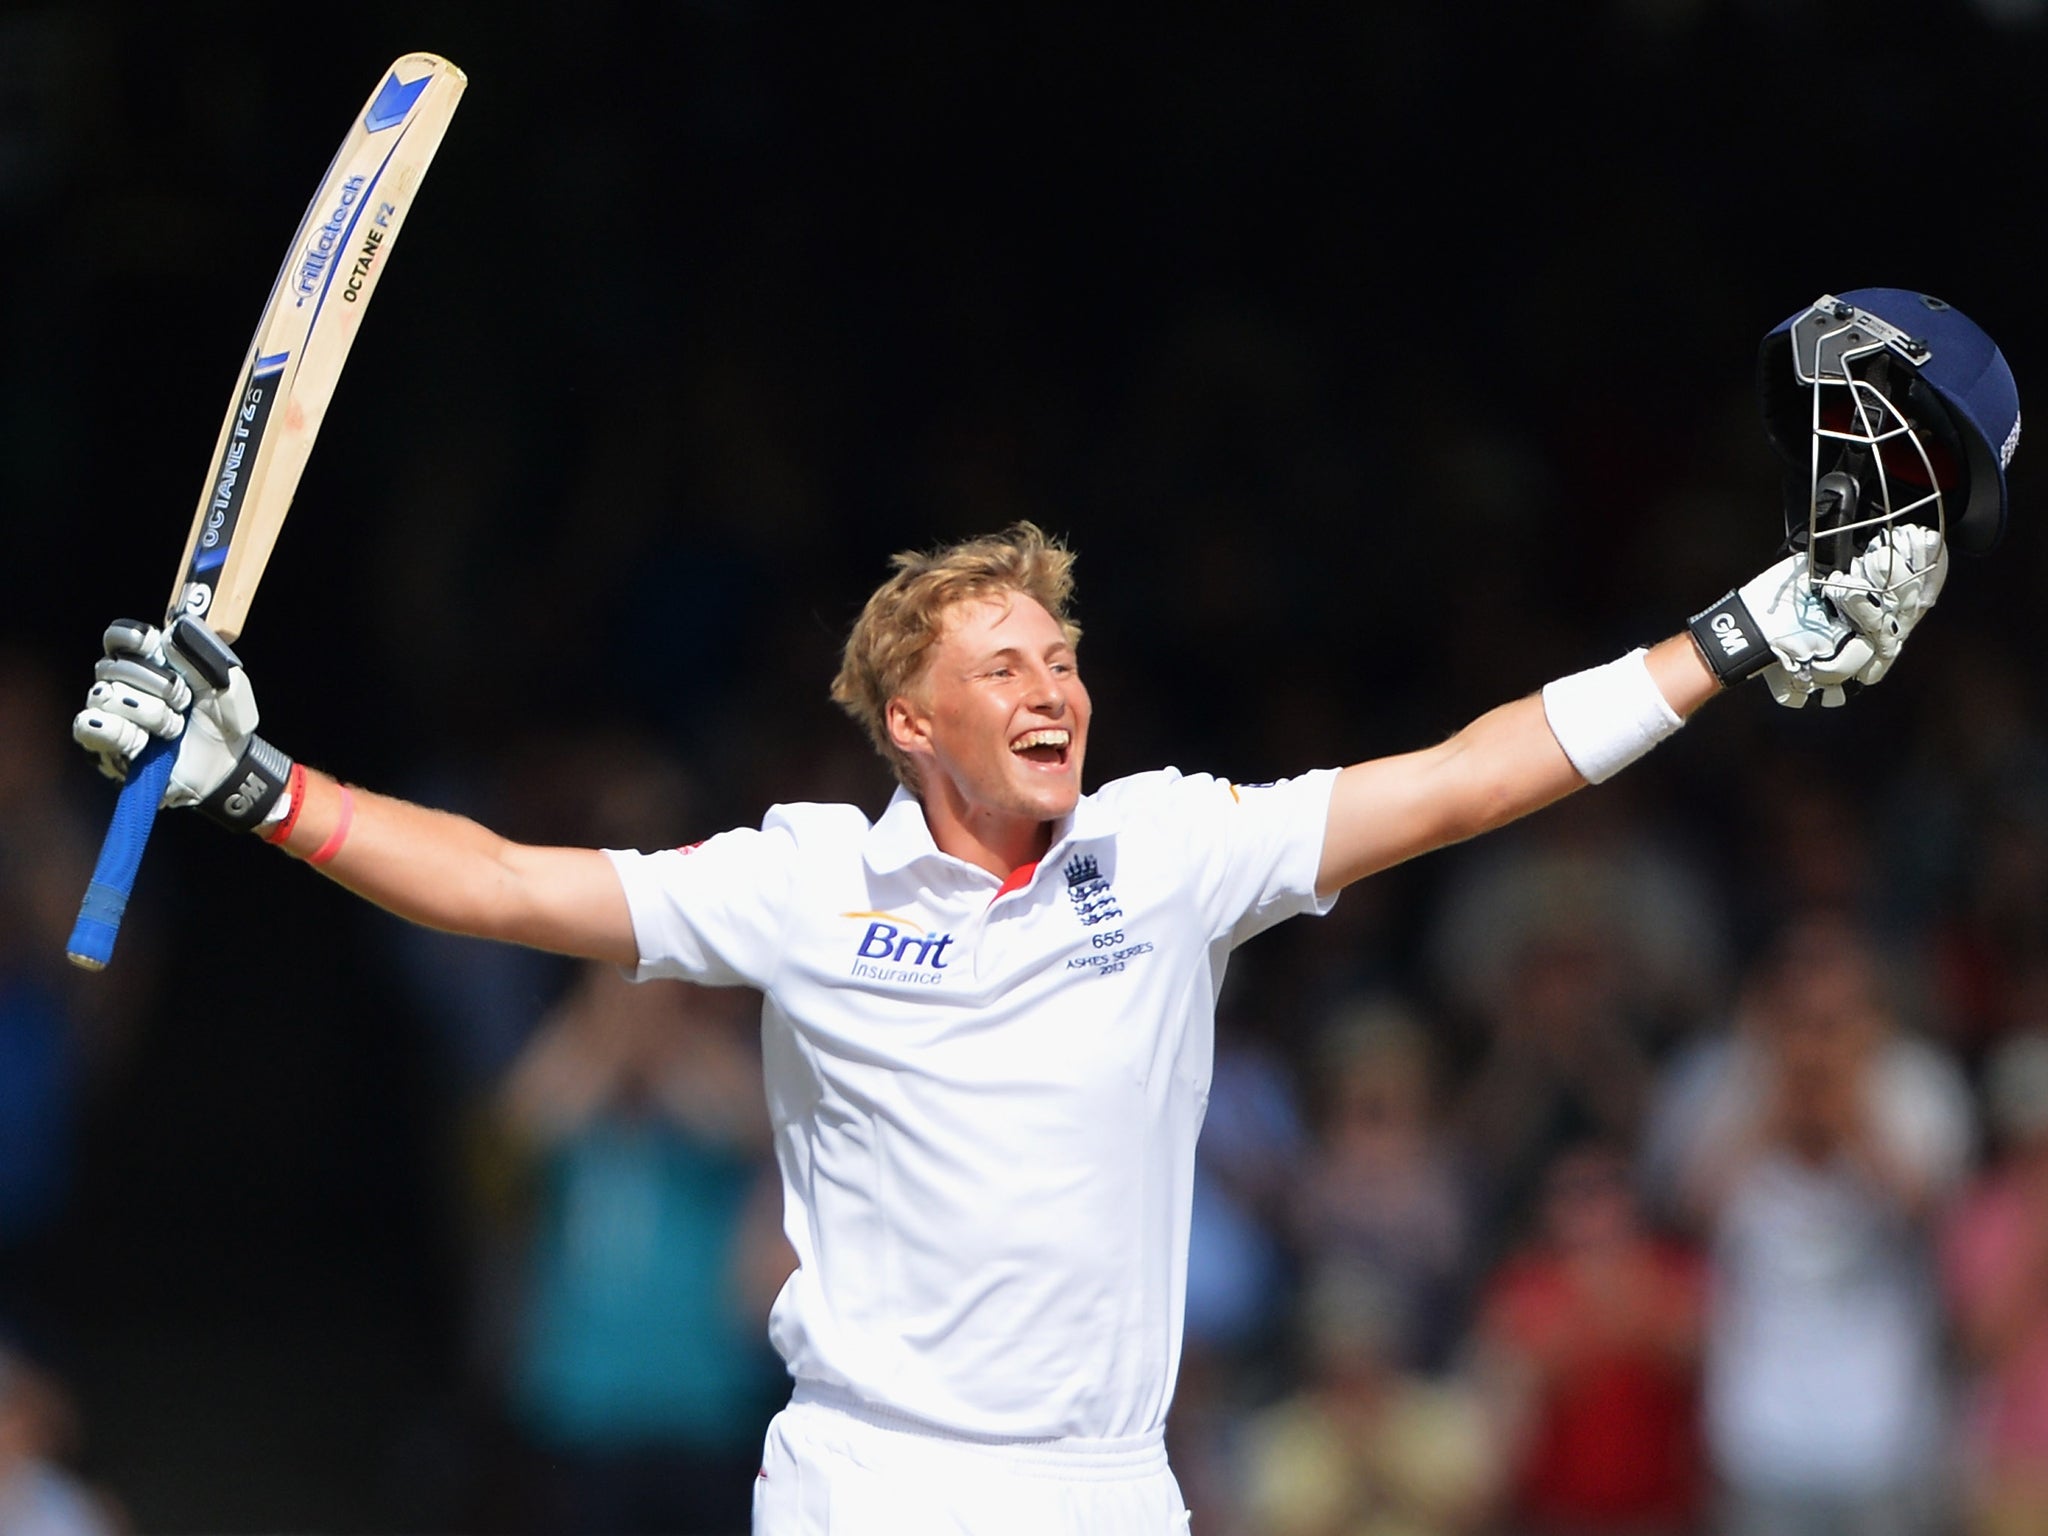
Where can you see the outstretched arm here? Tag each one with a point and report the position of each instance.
(1806, 639)
(428, 866)
(1503, 765)
(448, 872)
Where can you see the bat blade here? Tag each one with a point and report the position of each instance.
(331, 268)
(294, 361)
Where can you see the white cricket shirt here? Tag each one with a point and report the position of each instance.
(985, 1106)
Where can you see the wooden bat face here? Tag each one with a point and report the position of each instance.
(330, 270)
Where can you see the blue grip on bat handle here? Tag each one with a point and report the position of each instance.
(106, 898)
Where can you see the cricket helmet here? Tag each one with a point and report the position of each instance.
(1887, 406)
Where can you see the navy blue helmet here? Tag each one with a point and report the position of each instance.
(1888, 406)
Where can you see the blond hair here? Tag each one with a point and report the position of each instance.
(885, 653)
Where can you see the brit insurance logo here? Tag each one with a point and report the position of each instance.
(896, 949)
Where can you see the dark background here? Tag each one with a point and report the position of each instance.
(1381, 362)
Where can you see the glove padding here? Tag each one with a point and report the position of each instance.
(1827, 638)
(1880, 599)
(135, 695)
(186, 686)
(1897, 578)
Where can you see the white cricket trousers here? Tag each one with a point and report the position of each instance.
(832, 1467)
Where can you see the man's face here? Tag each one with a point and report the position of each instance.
(998, 723)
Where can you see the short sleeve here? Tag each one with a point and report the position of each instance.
(713, 912)
(1258, 848)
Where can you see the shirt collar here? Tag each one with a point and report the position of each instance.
(901, 837)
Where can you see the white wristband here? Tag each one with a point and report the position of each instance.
(1607, 717)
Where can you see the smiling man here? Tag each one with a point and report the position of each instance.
(988, 1019)
(962, 670)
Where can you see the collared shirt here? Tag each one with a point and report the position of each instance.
(985, 1106)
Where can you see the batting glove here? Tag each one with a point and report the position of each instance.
(187, 687)
(1889, 588)
(1778, 624)
(1882, 596)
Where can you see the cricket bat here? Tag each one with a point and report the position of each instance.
(330, 270)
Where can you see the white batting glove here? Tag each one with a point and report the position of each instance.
(135, 695)
(1882, 596)
(1795, 690)
(1777, 624)
(1889, 588)
(187, 687)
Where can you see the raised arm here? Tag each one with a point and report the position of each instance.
(433, 868)
(1807, 642)
(1503, 765)
(448, 872)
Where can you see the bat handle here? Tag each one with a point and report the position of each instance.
(106, 898)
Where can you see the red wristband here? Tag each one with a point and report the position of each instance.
(339, 835)
(295, 801)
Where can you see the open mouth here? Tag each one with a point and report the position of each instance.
(1048, 748)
